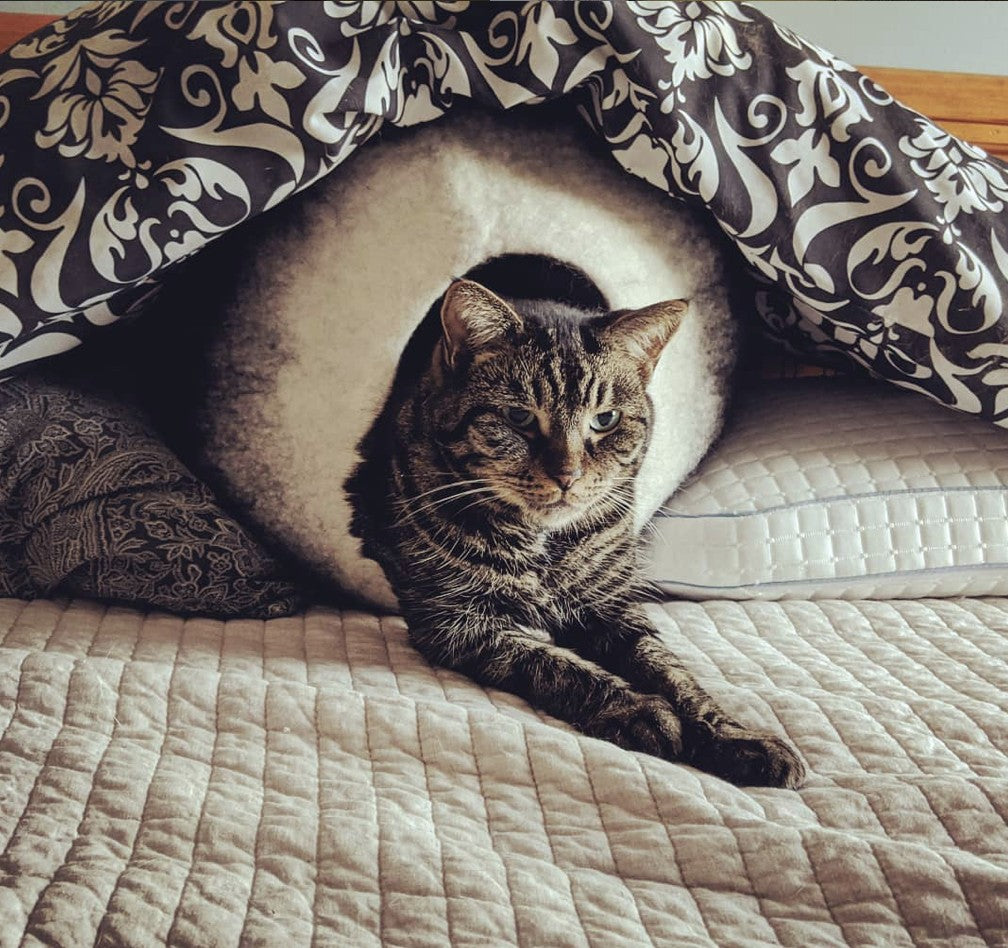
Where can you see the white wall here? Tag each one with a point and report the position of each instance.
(53, 7)
(947, 35)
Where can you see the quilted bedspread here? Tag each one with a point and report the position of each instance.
(313, 781)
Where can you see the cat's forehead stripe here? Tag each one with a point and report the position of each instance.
(582, 386)
(537, 389)
(552, 377)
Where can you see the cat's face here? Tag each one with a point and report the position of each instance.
(546, 411)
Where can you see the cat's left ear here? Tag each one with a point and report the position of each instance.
(473, 318)
(643, 333)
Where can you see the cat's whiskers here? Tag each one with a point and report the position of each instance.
(410, 510)
(622, 498)
(437, 514)
(440, 488)
(622, 489)
(438, 547)
(474, 503)
(651, 530)
(441, 501)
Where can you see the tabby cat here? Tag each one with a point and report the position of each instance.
(497, 494)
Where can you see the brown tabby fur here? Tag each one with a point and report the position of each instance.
(510, 541)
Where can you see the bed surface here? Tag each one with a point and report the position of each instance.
(312, 780)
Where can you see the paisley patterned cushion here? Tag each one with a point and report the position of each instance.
(92, 504)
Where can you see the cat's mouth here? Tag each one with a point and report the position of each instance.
(550, 509)
(558, 511)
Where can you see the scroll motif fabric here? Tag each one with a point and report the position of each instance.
(132, 134)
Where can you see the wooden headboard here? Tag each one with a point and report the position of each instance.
(970, 106)
(973, 107)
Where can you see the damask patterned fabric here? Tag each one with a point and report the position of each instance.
(92, 504)
(134, 133)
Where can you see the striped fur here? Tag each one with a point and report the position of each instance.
(504, 522)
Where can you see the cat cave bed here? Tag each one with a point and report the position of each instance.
(333, 291)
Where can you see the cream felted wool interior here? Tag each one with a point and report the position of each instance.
(330, 298)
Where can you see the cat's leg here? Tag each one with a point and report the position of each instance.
(627, 644)
(494, 652)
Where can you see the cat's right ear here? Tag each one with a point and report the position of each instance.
(642, 334)
(473, 318)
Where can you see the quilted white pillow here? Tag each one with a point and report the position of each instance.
(840, 489)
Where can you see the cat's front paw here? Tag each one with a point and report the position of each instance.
(642, 723)
(751, 759)
(735, 753)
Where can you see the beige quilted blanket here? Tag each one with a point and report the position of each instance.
(313, 782)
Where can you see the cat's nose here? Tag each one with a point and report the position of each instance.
(567, 477)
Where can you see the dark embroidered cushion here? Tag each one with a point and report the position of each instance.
(93, 504)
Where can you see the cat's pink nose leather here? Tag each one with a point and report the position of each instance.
(566, 479)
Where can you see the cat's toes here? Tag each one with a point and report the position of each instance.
(745, 757)
(752, 759)
(647, 723)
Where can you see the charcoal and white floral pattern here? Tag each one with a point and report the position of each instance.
(132, 134)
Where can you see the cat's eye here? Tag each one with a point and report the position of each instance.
(605, 421)
(519, 417)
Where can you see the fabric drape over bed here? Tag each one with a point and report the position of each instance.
(134, 133)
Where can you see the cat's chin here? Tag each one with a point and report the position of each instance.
(558, 515)
(546, 516)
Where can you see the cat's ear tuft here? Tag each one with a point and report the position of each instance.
(643, 333)
(473, 318)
